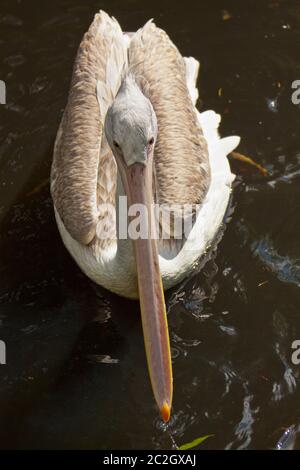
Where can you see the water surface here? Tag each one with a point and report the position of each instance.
(76, 375)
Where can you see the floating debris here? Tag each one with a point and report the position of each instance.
(226, 15)
(195, 442)
(263, 283)
(250, 161)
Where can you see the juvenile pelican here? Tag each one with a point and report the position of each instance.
(131, 127)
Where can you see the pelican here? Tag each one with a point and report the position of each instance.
(131, 128)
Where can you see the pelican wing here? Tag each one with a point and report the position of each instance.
(84, 171)
(181, 153)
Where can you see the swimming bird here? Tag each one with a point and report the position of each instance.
(131, 128)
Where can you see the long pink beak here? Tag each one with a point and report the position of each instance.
(137, 181)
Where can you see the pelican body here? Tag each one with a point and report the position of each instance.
(131, 128)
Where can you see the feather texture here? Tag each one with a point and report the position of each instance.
(190, 158)
(181, 154)
(83, 170)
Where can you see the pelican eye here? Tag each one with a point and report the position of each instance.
(116, 144)
(151, 141)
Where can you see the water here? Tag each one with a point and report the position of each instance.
(76, 375)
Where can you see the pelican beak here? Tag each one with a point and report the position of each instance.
(137, 182)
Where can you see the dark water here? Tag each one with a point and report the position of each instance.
(75, 374)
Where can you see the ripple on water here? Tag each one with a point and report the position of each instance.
(283, 267)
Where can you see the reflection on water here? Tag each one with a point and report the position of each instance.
(285, 268)
(76, 374)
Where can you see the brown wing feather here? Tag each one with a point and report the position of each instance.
(181, 154)
(84, 171)
(79, 176)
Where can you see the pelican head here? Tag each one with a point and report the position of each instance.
(131, 125)
(131, 131)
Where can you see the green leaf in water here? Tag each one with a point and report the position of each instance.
(195, 442)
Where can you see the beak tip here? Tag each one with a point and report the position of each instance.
(165, 412)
